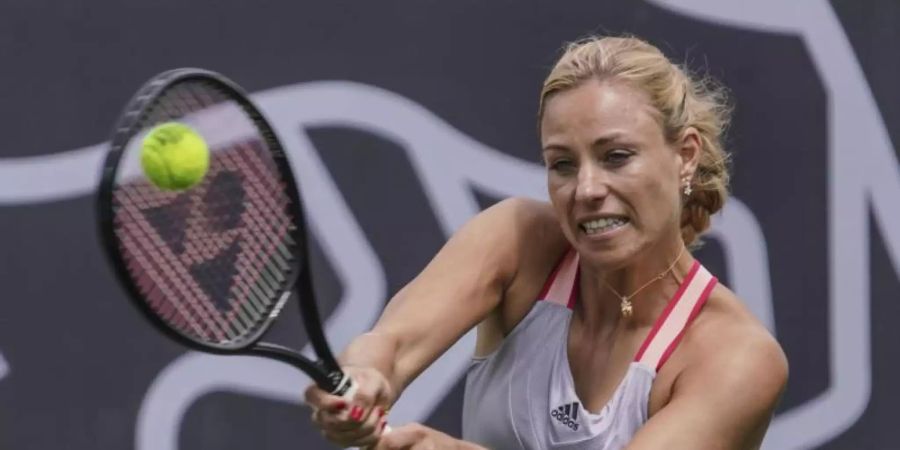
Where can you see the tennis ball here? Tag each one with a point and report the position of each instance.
(174, 156)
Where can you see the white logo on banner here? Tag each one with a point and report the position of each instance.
(448, 163)
(4, 367)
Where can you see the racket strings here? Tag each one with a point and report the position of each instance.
(190, 289)
(152, 258)
(213, 260)
(161, 281)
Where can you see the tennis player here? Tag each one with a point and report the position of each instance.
(597, 328)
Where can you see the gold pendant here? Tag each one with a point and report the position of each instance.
(626, 308)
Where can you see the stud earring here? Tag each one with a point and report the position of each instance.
(687, 187)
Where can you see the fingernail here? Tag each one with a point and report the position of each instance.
(383, 424)
(356, 413)
(340, 405)
(380, 413)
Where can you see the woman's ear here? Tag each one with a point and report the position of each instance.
(689, 150)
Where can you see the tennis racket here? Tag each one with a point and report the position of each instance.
(212, 266)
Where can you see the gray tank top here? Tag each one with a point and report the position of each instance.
(523, 396)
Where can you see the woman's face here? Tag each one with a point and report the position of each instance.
(614, 181)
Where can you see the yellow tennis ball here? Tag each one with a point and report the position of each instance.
(174, 156)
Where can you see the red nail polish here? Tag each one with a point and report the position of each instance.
(356, 413)
(339, 406)
(380, 413)
(383, 424)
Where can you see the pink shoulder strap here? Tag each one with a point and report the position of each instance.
(561, 286)
(672, 323)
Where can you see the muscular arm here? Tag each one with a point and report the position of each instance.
(725, 402)
(464, 282)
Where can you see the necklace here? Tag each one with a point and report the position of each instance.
(625, 305)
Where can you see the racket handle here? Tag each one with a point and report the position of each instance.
(346, 388)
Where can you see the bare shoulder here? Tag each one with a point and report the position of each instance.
(728, 374)
(530, 225)
(536, 241)
(727, 346)
(540, 242)
(500, 236)
(524, 213)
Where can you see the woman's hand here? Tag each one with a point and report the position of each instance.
(419, 437)
(357, 421)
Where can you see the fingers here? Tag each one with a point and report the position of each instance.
(357, 420)
(365, 434)
(321, 400)
(402, 438)
(352, 433)
(372, 389)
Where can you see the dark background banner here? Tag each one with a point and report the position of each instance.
(405, 118)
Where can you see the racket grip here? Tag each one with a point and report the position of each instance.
(346, 388)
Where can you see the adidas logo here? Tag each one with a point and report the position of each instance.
(567, 415)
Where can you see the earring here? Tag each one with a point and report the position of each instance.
(687, 187)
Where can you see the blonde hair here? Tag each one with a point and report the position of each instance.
(681, 100)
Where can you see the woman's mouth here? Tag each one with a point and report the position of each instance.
(599, 226)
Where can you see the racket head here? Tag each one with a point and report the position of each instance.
(210, 266)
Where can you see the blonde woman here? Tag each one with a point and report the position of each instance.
(597, 328)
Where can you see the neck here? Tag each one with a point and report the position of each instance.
(639, 281)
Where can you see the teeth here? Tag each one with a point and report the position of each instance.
(601, 225)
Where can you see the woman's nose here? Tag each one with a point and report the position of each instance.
(592, 184)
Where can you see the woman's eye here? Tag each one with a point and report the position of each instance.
(561, 165)
(618, 157)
